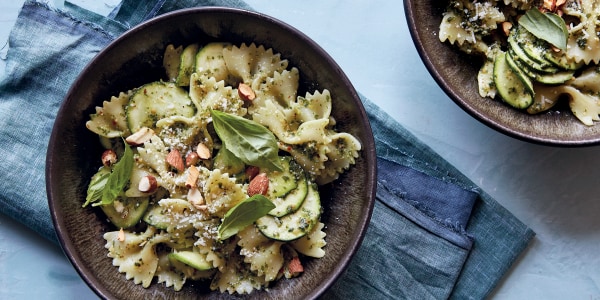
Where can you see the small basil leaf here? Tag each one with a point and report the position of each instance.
(244, 214)
(546, 26)
(96, 187)
(251, 142)
(118, 178)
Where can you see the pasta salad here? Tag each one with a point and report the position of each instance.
(534, 52)
(212, 174)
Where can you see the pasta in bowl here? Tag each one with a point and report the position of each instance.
(219, 160)
(554, 109)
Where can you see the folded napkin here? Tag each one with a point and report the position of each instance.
(433, 234)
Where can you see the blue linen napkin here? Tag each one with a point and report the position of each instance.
(433, 234)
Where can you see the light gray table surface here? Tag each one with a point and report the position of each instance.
(555, 191)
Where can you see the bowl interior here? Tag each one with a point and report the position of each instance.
(136, 58)
(456, 73)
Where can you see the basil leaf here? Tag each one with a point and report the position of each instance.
(546, 26)
(97, 184)
(244, 214)
(118, 178)
(251, 142)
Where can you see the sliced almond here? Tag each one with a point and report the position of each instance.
(258, 185)
(203, 151)
(148, 184)
(140, 137)
(245, 92)
(174, 160)
(193, 174)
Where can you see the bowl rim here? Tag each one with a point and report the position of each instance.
(368, 146)
(470, 109)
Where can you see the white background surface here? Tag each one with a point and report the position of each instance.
(555, 191)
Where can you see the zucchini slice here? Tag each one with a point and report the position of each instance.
(126, 212)
(187, 65)
(519, 71)
(292, 201)
(555, 78)
(282, 182)
(519, 54)
(562, 61)
(192, 259)
(295, 225)
(210, 62)
(510, 87)
(157, 100)
(168, 213)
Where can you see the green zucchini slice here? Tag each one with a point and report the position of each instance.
(510, 87)
(126, 212)
(192, 259)
(210, 61)
(187, 65)
(157, 100)
(295, 225)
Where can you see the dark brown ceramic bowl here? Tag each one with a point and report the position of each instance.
(135, 58)
(456, 74)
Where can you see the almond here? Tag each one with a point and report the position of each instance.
(109, 157)
(252, 171)
(140, 137)
(193, 174)
(549, 5)
(174, 160)
(506, 27)
(245, 92)
(295, 266)
(191, 159)
(195, 198)
(148, 184)
(121, 235)
(203, 151)
(258, 185)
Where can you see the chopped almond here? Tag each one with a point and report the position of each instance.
(245, 92)
(140, 137)
(195, 198)
(193, 174)
(295, 266)
(506, 27)
(109, 157)
(174, 160)
(252, 171)
(148, 184)
(121, 235)
(258, 185)
(191, 159)
(203, 151)
(549, 5)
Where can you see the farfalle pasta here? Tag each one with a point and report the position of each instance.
(172, 140)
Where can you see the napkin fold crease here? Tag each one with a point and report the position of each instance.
(433, 234)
